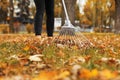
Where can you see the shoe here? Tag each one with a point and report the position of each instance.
(38, 37)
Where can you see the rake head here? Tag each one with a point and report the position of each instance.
(78, 40)
(65, 30)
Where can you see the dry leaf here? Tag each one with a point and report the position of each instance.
(63, 75)
(26, 48)
(35, 58)
(60, 54)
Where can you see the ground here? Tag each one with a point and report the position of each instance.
(24, 57)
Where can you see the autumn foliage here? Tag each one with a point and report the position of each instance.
(26, 57)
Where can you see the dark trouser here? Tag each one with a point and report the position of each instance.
(42, 5)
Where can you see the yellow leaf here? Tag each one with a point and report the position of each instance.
(94, 73)
(62, 75)
(107, 74)
(26, 48)
(75, 47)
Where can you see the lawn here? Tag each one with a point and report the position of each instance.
(23, 57)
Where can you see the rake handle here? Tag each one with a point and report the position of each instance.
(66, 13)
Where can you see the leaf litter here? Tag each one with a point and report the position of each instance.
(23, 57)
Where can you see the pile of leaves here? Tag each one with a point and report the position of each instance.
(25, 57)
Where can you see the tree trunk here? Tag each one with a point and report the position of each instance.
(11, 17)
(117, 19)
(70, 4)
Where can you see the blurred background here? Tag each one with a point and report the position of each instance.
(17, 16)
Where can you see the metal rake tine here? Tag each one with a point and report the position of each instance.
(86, 38)
(80, 43)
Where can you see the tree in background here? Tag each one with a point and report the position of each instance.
(77, 15)
(3, 10)
(11, 10)
(24, 9)
(117, 19)
(23, 5)
(100, 12)
(58, 8)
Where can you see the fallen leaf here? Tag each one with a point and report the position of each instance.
(62, 75)
(94, 73)
(35, 58)
(60, 54)
(26, 48)
(46, 75)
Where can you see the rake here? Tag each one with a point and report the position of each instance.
(69, 37)
(67, 28)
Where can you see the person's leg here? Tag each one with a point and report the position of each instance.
(40, 6)
(49, 6)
